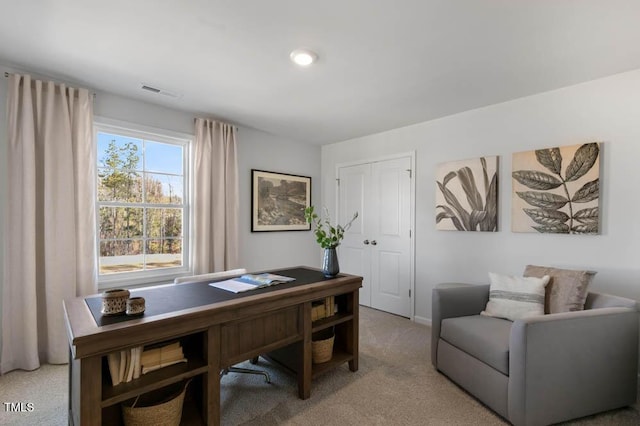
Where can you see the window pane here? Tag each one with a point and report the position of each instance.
(119, 152)
(164, 253)
(163, 157)
(120, 222)
(137, 180)
(119, 185)
(121, 256)
(162, 223)
(163, 189)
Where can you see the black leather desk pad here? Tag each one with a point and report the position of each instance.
(171, 298)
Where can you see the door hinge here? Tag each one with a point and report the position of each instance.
(338, 181)
(409, 233)
(409, 292)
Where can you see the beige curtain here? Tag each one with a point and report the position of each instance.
(50, 221)
(215, 197)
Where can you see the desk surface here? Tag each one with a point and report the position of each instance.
(173, 298)
(88, 337)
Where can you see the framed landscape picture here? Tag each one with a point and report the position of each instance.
(278, 201)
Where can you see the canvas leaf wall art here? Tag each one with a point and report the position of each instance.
(556, 190)
(467, 195)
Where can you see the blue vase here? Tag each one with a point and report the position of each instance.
(330, 266)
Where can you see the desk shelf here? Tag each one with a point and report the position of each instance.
(192, 412)
(154, 380)
(339, 357)
(196, 367)
(342, 324)
(331, 321)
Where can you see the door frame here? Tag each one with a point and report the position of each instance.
(412, 208)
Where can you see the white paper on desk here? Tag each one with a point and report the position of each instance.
(234, 286)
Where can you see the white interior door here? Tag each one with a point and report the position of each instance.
(378, 245)
(390, 236)
(354, 255)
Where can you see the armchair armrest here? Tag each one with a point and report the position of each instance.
(452, 300)
(568, 365)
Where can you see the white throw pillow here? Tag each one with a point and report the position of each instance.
(513, 297)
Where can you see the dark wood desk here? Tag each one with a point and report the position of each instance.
(215, 335)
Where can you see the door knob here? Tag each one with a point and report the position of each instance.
(365, 242)
(374, 242)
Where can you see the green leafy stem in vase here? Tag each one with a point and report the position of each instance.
(327, 235)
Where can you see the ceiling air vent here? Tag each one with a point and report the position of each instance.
(152, 89)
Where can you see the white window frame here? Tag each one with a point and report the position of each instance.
(154, 276)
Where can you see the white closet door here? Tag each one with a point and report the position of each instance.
(390, 240)
(354, 256)
(378, 245)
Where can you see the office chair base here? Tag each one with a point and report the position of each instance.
(267, 378)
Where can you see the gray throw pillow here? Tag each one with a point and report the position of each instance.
(567, 290)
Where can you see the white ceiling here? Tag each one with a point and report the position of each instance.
(383, 64)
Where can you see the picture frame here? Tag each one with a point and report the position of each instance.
(278, 201)
(467, 195)
(557, 190)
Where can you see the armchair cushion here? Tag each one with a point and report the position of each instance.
(484, 338)
(514, 297)
(567, 288)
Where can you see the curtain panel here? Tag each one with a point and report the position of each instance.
(215, 200)
(50, 221)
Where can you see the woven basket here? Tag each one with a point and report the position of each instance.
(322, 349)
(159, 408)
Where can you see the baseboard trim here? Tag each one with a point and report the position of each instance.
(422, 320)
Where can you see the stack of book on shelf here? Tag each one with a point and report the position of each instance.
(157, 357)
(129, 364)
(323, 308)
(124, 365)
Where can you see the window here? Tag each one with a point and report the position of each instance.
(142, 206)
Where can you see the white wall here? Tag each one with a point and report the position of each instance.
(606, 110)
(260, 250)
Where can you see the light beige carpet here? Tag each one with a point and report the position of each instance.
(395, 385)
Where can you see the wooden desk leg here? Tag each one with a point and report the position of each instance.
(353, 336)
(85, 391)
(304, 371)
(212, 378)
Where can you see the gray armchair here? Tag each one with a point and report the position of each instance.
(539, 370)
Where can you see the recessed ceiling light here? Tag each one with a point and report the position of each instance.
(303, 57)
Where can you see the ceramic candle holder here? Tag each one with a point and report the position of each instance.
(135, 306)
(114, 302)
